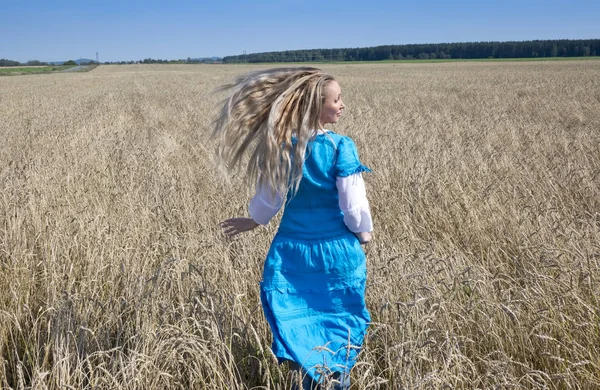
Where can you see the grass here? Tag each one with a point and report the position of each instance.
(494, 59)
(11, 71)
(483, 274)
(434, 61)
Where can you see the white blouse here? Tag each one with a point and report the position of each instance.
(352, 200)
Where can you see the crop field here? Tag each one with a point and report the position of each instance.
(484, 271)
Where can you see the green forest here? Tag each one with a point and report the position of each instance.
(465, 50)
(429, 51)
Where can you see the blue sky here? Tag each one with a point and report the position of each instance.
(133, 30)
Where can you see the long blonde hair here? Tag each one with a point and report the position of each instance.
(262, 113)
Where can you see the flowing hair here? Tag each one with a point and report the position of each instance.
(263, 111)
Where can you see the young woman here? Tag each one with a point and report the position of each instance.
(314, 275)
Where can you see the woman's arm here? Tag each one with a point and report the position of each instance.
(263, 206)
(355, 206)
(364, 237)
(234, 226)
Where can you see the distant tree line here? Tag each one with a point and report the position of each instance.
(5, 62)
(464, 50)
(160, 61)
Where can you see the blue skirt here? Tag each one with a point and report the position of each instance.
(313, 296)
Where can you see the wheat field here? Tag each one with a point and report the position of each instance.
(483, 274)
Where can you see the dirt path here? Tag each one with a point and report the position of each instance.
(76, 68)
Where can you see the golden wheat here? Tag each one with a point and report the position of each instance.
(483, 274)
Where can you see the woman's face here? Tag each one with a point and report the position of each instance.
(332, 104)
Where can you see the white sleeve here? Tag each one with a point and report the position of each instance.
(354, 203)
(264, 205)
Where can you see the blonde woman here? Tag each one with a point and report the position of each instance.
(314, 275)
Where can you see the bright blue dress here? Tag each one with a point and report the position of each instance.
(313, 288)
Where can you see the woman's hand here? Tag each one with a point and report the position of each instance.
(234, 226)
(364, 237)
